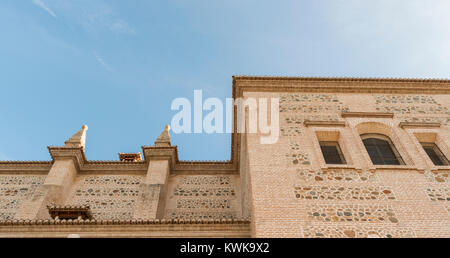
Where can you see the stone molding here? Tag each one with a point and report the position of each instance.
(368, 114)
(308, 123)
(418, 125)
(122, 222)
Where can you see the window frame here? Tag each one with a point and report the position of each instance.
(338, 149)
(440, 155)
(385, 138)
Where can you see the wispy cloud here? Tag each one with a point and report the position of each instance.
(102, 62)
(3, 156)
(45, 7)
(93, 16)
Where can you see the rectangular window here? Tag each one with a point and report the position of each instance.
(435, 154)
(332, 153)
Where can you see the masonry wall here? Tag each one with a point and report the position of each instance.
(108, 196)
(203, 197)
(15, 190)
(295, 194)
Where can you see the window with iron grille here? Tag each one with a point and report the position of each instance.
(332, 152)
(435, 154)
(381, 150)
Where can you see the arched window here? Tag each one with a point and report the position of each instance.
(381, 150)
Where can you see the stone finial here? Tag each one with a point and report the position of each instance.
(164, 139)
(78, 139)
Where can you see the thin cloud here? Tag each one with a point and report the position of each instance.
(102, 62)
(3, 157)
(93, 16)
(45, 7)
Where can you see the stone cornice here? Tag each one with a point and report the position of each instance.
(121, 222)
(338, 85)
(126, 228)
(76, 153)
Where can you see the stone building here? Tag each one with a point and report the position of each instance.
(355, 158)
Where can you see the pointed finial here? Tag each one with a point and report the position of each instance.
(164, 139)
(78, 139)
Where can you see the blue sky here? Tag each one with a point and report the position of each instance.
(117, 65)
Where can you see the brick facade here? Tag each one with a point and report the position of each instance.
(266, 190)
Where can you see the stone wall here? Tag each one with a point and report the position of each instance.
(14, 189)
(108, 196)
(295, 194)
(203, 197)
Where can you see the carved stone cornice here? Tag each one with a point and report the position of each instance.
(161, 153)
(338, 85)
(122, 222)
(76, 153)
(126, 228)
(40, 167)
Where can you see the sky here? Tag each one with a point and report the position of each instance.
(117, 65)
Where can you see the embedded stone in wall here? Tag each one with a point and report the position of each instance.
(439, 194)
(290, 131)
(14, 190)
(203, 204)
(334, 175)
(352, 213)
(173, 214)
(205, 196)
(343, 193)
(202, 192)
(296, 156)
(405, 99)
(356, 232)
(311, 103)
(110, 192)
(414, 109)
(440, 177)
(418, 119)
(206, 180)
(314, 98)
(109, 197)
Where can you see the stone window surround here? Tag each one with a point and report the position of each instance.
(385, 127)
(331, 134)
(419, 135)
(387, 140)
(348, 145)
